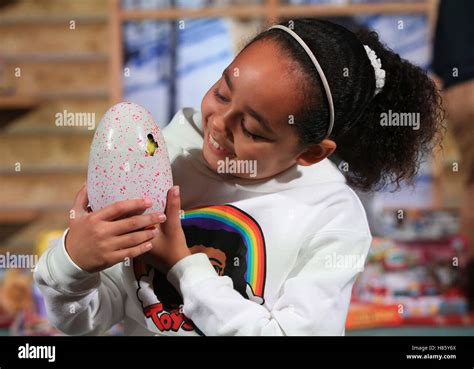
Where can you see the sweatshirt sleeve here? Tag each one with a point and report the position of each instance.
(314, 299)
(78, 302)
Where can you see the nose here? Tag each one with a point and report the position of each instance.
(218, 124)
(221, 126)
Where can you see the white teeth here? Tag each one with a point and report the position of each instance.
(214, 143)
(217, 146)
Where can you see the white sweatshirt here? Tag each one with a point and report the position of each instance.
(270, 257)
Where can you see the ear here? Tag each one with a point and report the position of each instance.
(316, 153)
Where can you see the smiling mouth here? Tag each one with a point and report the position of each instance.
(215, 143)
(218, 148)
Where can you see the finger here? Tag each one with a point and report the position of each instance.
(80, 201)
(131, 214)
(136, 222)
(173, 207)
(132, 252)
(134, 238)
(121, 208)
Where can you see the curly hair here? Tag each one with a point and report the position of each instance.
(377, 155)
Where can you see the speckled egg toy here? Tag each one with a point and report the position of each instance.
(128, 159)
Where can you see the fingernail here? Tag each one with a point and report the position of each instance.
(176, 191)
(156, 230)
(148, 246)
(162, 217)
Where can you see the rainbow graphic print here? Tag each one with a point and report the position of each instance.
(231, 219)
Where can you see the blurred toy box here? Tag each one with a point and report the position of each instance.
(411, 282)
(22, 307)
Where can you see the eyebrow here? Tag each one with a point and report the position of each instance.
(263, 122)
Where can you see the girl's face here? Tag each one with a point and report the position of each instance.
(247, 115)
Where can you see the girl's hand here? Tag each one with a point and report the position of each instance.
(98, 240)
(169, 246)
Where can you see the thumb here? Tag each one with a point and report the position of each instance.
(81, 201)
(172, 211)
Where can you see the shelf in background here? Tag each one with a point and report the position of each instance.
(56, 57)
(9, 20)
(252, 11)
(19, 102)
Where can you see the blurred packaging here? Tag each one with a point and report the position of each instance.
(414, 282)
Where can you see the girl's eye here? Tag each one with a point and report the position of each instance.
(219, 96)
(249, 134)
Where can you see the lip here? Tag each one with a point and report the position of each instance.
(218, 152)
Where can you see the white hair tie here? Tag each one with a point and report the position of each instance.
(379, 72)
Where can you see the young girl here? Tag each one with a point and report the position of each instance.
(271, 251)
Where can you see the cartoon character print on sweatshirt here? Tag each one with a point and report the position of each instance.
(235, 246)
